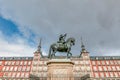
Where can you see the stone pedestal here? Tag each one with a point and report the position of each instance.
(60, 69)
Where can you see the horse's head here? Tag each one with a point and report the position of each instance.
(71, 40)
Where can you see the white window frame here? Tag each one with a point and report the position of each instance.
(19, 68)
(94, 68)
(13, 74)
(18, 74)
(11, 68)
(93, 63)
(25, 62)
(0, 62)
(96, 75)
(29, 63)
(105, 68)
(15, 68)
(100, 68)
(28, 68)
(17, 62)
(101, 74)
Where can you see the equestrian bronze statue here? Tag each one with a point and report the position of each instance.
(62, 46)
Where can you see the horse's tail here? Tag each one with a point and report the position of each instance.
(49, 56)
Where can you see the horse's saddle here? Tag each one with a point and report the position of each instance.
(62, 45)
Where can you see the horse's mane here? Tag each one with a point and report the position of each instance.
(71, 38)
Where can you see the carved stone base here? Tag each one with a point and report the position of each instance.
(60, 69)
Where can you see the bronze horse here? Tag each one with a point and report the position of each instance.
(61, 47)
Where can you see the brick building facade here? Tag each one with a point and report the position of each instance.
(85, 67)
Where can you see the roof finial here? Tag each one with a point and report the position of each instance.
(82, 46)
(39, 46)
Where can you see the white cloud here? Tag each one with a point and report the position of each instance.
(97, 21)
(17, 47)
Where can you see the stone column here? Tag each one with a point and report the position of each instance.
(60, 69)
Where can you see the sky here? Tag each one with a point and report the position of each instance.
(24, 22)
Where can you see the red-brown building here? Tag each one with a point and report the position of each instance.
(35, 68)
(15, 67)
(105, 67)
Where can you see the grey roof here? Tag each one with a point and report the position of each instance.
(61, 57)
(104, 57)
(16, 58)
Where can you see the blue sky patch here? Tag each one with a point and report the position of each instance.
(9, 28)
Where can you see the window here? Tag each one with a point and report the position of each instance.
(115, 62)
(15, 68)
(9, 63)
(111, 62)
(105, 68)
(40, 75)
(109, 68)
(88, 68)
(11, 68)
(0, 62)
(44, 62)
(25, 63)
(102, 74)
(5, 74)
(29, 63)
(111, 74)
(17, 62)
(22, 74)
(98, 62)
(94, 68)
(20, 68)
(26, 75)
(13, 74)
(118, 62)
(3, 68)
(93, 62)
(41, 62)
(6, 63)
(9, 74)
(35, 63)
(45, 68)
(100, 68)
(7, 68)
(96, 75)
(118, 68)
(103, 63)
(34, 68)
(13, 63)
(40, 69)
(119, 73)
(116, 75)
(24, 68)
(86, 62)
(82, 68)
(18, 75)
(113, 68)
(44, 75)
(28, 68)
(21, 63)
(107, 62)
(107, 75)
